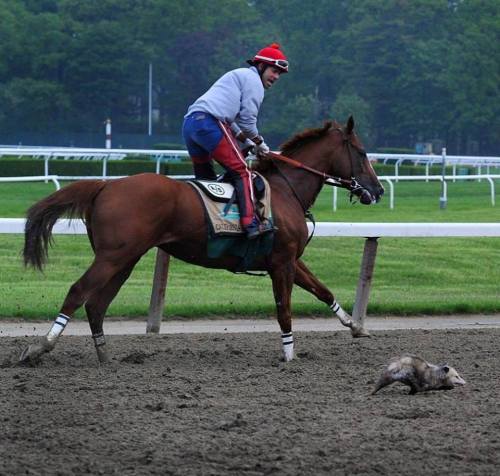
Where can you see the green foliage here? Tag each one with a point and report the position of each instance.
(13, 167)
(169, 146)
(395, 150)
(304, 111)
(407, 71)
(347, 104)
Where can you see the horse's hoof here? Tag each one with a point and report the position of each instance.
(359, 331)
(103, 356)
(32, 354)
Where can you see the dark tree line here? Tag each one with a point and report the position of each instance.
(408, 70)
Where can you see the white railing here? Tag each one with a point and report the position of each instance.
(35, 178)
(426, 178)
(48, 153)
(479, 162)
(65, 226)
(104, 155)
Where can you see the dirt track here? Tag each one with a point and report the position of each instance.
(215, 404)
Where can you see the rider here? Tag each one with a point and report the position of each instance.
(229, 110)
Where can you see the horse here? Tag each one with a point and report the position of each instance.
(128, 216)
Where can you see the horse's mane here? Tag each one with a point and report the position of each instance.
(291, 146)
(305, 137)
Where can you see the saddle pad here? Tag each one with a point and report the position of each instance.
(224, 217)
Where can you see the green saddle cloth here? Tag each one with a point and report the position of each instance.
(240, 246)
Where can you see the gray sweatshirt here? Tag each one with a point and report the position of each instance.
(235, 99)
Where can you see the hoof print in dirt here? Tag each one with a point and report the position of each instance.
(156, 407)
(307, 355)
(134, 358)
(238, 422)
(411, 415)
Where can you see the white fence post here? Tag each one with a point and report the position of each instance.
(442, 199)
(364, 285)
(158, 292)
(46, 167)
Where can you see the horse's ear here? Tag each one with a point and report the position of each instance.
(350, 125)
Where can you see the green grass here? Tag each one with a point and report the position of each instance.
(412, 276)
(416, 202)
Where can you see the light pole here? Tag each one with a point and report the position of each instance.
(150, 100)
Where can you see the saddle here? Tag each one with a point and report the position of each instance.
(225, 234)
(219, 199)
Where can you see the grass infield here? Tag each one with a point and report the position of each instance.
(412, 276)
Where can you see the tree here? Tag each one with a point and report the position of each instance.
(350, 104)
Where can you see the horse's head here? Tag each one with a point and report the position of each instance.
(350, 162)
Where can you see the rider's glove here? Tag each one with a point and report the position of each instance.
(247, 147)
(261, 147)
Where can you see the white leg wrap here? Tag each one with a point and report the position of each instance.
(57, 328)
(344, 318)
(287, 341)
(99, 339)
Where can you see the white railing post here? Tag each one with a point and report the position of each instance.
(442, 199)
(46, 167)
(364, 285)
(492, 190)
(158, 292)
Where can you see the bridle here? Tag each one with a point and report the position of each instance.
(352, 185)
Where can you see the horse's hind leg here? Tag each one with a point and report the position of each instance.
(97, 305)
(306, 280)
(95, 278)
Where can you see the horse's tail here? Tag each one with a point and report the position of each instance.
(74, 201)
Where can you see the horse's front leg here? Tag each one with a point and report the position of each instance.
(282, 279)
(306, 280)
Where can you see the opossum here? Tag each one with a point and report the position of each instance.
(419, 375)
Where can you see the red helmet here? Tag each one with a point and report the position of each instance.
(271, 55)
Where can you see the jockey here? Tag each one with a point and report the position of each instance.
(229, 110)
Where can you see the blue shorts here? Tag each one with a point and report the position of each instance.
(202, 133)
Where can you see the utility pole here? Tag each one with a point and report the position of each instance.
(108, 133)
(150, 100)
(442, 198)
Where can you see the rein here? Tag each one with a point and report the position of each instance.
(352, 185)
(335, 181)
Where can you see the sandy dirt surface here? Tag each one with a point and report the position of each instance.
(224, 404)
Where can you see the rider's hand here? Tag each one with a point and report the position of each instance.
(248, 147)
(262, 148)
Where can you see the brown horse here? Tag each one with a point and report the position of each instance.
(127, 217)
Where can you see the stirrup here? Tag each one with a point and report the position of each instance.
(257, 228)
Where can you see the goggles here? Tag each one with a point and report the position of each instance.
(280, 63)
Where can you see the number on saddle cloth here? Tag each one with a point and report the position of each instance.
(223, 191)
